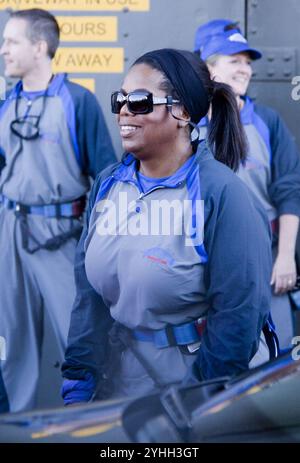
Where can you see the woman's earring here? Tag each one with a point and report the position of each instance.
(195, 134)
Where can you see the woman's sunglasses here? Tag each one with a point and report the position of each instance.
(138, 102)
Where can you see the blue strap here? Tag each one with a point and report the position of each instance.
(47, 210)
(171, 336)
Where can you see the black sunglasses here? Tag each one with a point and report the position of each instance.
(26, 127)
(138, 102)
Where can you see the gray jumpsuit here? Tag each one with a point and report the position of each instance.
(52, 168)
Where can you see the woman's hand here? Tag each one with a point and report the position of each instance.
(284, 274)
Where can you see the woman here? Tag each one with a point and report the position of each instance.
(184, 301)
(272, 167)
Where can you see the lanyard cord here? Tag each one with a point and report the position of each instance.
(20, 148)
(29, 105)
(29, 102)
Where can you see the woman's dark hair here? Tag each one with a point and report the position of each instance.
(186, 77)
(42, 25)
(225, 130)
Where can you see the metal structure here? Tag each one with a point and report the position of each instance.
(272, 26)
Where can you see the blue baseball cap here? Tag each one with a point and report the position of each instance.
(223, 37)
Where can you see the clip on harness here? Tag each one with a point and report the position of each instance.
(71, 210)
(187, 334)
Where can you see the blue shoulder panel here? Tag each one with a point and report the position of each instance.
(59, 88)
(250, 116)
(194, 190)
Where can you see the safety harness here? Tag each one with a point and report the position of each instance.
(73, 209)
(186, 336)
(189, 335)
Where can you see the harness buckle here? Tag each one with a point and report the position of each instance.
(21, 209)
(193, 347)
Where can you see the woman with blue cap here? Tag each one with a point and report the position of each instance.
(165, 293)
(272, 166)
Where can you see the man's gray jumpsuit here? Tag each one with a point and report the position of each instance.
(54, 168)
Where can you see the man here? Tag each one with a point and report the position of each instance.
(52, 138)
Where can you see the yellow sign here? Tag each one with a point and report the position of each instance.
(87, 83)
(79, 5)
(88, 28)
(84, 59)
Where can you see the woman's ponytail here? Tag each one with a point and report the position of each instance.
(187, 78)
(226, 135)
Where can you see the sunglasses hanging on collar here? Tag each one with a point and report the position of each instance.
(26, 127)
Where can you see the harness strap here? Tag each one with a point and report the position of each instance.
(51, 244)
(172, 335)
(72, 209)
(271, 337)
(68, 209)
(190, 333)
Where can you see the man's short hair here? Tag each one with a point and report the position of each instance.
(42, 26)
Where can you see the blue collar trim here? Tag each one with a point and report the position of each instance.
(128, 171)
(247, 111)
(52, 90)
